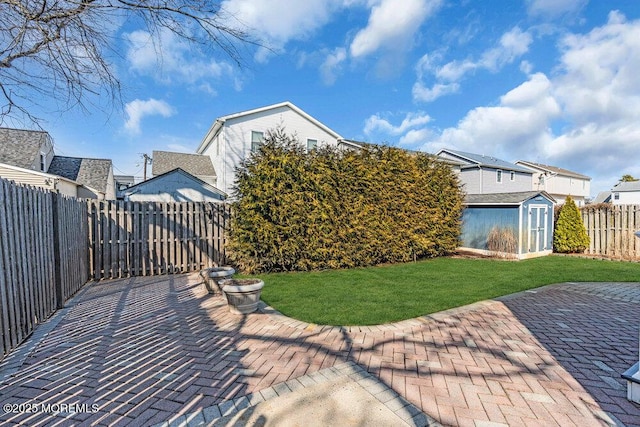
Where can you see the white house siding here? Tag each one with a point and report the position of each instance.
(625, 197)
(559, 187)
(47, 182)
(233, 143)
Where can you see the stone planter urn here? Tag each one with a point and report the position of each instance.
(243, 295)
(213, 276)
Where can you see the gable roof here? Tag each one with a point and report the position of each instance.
(93, 173)
(480, 160)
(197, 180)
(21, 148)
(504, 198)
(602, 197)
(627, 186)
(552, 170)
(219, 122)
(194, 164)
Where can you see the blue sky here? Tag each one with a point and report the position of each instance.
(549, 81)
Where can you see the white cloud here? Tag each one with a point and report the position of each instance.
(138, 109)
(583, 117)
(554, 8)
(512, 45)
(331, 65)
(168, 59)
(276, 22)
(392, 25)
(519, 124)
(411, 131)
(425, 94)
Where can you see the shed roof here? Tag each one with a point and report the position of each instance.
(553, 169)
(194, 164)
(160, 177)
(21, 148)
(93, 173)
(475, 160)
(511, 199)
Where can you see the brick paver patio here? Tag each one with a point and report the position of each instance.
(150, 350)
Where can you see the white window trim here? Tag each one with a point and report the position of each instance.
(314, 146)
(499, 176)
(512, 176)
(254, 149)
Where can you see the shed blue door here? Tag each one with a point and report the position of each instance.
(537, 228)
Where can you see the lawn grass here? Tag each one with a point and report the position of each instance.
(377, 295)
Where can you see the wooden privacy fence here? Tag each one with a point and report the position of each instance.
(150, 238)
(43, 253)
(611, 230)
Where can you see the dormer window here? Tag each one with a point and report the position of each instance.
(499, 176)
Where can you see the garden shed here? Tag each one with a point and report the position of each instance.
(527, 215)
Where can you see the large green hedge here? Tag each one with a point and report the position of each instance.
(333, 208)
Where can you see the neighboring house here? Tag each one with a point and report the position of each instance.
(26, 149)
(175, 185)
(95, 175)
(626, 193)
(602, 197)
(27, 157)
(232, 138)
(559, 183)
(39, 179)
(122, 183)
(529, 216)
(482, 174)
(197, 165)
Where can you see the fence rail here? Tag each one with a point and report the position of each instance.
(611, 230)
(147, 238)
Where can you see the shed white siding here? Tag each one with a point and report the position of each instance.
(174, 186)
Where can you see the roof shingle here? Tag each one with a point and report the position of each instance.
(194, 164)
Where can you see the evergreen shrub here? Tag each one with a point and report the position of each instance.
(331, 208)
(570, 235)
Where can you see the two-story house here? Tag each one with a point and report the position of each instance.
(232, 138)
(482, 174)
(559, 183)
(27, 157)
(625, 193)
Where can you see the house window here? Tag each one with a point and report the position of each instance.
(499, 176)
(616, 196)
(512, 176)
(257, 139)
(43, 162)
(541, 180)
(311, 144)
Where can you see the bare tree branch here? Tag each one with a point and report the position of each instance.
(59, 49)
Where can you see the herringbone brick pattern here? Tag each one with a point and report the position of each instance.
(145, 350)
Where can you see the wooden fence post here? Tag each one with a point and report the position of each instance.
(57, 275)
